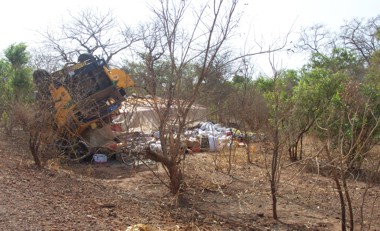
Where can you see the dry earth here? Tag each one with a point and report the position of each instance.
(112, 196)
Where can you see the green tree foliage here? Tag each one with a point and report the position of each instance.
(17, 55)
(15, 84)
(339, 60)
(372, 78)
(314, 94)
(338, 99)
(280, 88)
(5, 76)
(335, 92)
(19, 75)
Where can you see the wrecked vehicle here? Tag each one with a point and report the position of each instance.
(81, 98)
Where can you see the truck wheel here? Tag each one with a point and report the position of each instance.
(128, 158)
(84, 57)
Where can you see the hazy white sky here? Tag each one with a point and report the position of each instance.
(265, 19)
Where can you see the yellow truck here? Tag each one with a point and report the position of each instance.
(82, 98)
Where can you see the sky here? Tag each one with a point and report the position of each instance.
(265, 20)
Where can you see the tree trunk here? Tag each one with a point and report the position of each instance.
(176, 178)
(349, 204)
(249, 159)
(274, 197)
(292, 149)
(230, 158)
(341, 198)
(34, 144)
(340, 191)
(248, 146)
(301, 148)
(274, 172)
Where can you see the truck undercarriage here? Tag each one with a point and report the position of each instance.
(79, 102)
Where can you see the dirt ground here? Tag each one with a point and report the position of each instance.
(113, 196)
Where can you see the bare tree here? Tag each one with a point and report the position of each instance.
(356, 35)
(360, 36)
(279, 109)
(198, 45)
(274, 169)
(184, 46)
(150, 53)
(316, 39)
(43, 59)
(91, 32)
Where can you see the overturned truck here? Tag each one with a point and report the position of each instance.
(81, 99)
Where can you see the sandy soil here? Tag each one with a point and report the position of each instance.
(113, 196)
